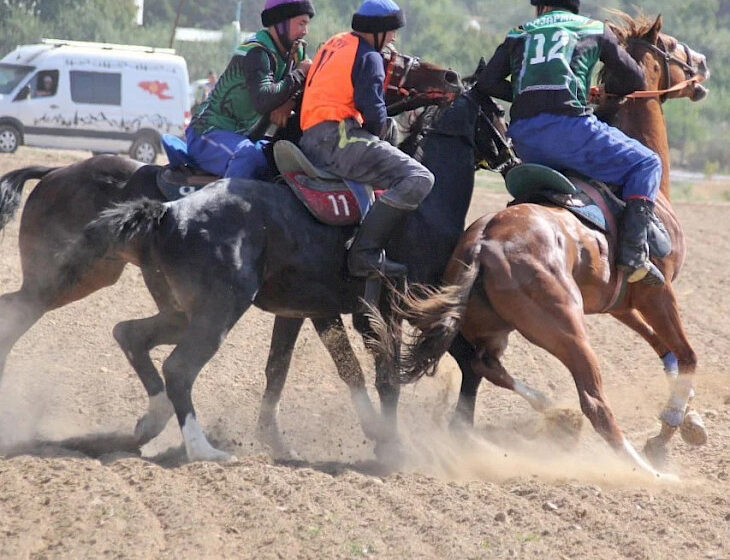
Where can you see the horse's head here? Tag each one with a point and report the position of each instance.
(671, 67)
(492, 147)
(411, 82)
(475, 118)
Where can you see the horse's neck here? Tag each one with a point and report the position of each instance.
(643, 119)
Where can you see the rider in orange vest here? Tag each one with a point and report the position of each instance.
(344, 119)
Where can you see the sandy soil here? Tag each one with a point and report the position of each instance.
(509, 492)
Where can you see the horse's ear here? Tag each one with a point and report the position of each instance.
(481, 66)
(653, 34)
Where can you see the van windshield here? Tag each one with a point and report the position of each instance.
(11, 75)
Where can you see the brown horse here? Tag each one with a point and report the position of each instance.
(538, 269)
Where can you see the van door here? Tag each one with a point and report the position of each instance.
(38, 106)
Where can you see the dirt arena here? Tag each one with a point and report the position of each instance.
(508, 492)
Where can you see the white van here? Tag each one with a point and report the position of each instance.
(92, 96)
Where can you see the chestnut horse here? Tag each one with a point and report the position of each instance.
(538, 269)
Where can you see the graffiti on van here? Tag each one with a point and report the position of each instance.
(99, 121)
(157, 88)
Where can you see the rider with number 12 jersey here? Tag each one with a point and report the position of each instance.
(550, 60)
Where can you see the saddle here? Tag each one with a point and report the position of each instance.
(592, 201)
(330, 199)
(181, 177)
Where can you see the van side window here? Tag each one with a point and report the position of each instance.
(46, 83)
(100, 88)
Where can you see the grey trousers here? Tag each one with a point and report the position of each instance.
(347, 150)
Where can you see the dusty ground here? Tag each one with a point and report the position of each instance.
(504, 494)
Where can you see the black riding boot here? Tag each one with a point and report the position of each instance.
(366, 255)
(634, 250)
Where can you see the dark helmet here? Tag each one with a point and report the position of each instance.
(278, 11)
(570, 5)
(378, 16)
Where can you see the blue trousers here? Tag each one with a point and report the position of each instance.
(225, 153)
(591, 147)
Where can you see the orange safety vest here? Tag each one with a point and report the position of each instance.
(329, 94)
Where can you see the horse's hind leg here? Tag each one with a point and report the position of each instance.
(136, 338)
(18, 313)
(566, 339)
(464, 353)
(283, 337)
(332, 333)
(388, 391)
(486, 364)
(211, 318)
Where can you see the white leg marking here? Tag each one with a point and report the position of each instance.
(673, 413)
(159, 412)
(638, 461)
(537, 400)
(197, 446)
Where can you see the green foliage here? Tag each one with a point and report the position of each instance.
(454, 33)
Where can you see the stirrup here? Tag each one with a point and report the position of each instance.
(648, 274)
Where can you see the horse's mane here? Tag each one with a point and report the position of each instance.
(628, 27)
(415, 125)
(625, 27)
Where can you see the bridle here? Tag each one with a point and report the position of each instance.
(692, 74)
(404, 64)
(397, 68)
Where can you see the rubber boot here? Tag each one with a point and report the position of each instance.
(634, 249)
(367, 255)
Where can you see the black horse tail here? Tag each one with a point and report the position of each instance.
(11, 187)
(436, 314)
(121, 223)
(117, 228)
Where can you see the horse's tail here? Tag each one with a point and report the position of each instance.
(436, 314)
(115, 229)
(121, 223)
(11, 187)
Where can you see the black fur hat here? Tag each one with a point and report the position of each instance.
(277, 11)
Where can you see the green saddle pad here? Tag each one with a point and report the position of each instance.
(526, 178)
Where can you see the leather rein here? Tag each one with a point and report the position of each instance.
(692, 73)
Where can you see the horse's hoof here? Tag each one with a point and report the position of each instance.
(390, 452)
(158, 414)
(268, 435)
(692, 429)
(655, 451)
(564, 426)
(285, 453)
(143, 431)
(212, 455)
(148, 428)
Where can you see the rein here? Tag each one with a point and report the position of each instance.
(669, 58)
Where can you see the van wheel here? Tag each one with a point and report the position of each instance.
(144, 149)
(9, 138)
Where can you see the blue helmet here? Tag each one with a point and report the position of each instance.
(378, 16)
